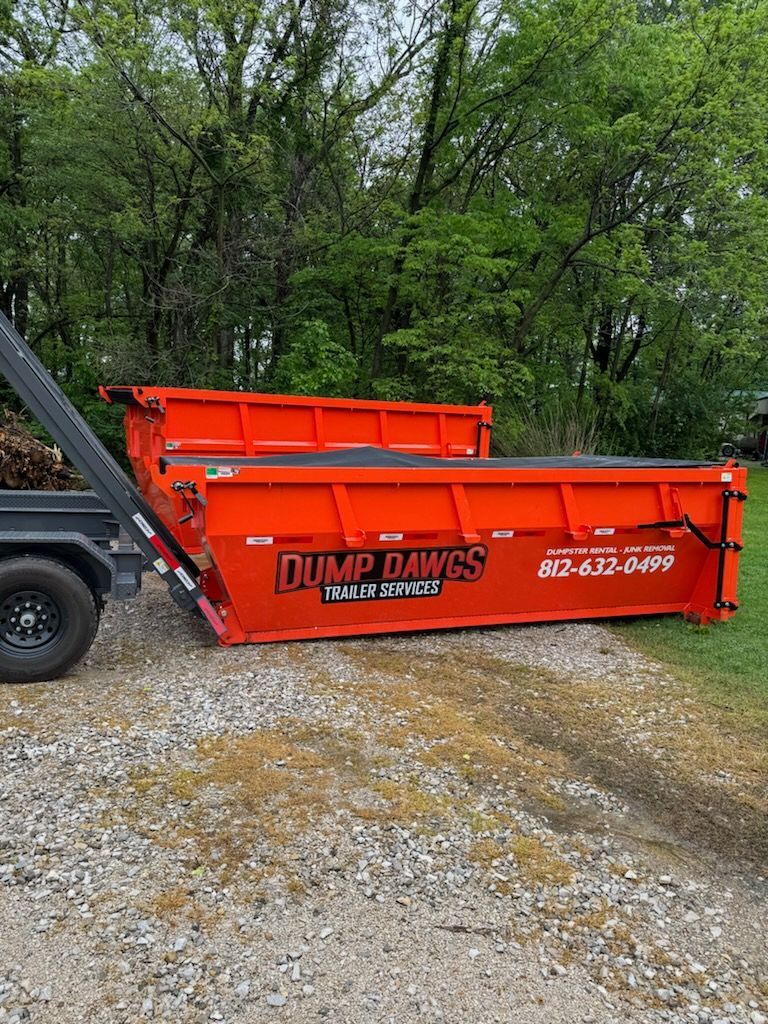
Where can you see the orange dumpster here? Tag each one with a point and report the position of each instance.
(371, 541)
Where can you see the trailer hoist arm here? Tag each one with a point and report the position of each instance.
(45, 399)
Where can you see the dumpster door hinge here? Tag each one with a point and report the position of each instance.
(723, 545)
(153, 402)
(481, 426)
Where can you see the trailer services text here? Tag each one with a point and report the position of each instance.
(379, 575)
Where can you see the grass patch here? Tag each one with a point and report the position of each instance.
(453, 712)
(538, 863)
(486, 853)
(169, 902)
(727, 661)
(267, 786)
(407, 803)
(534, 862)
(500, 728)
(249, 800)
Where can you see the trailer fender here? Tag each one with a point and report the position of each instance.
(96, 567)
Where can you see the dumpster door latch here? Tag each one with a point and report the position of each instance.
(723, 545)
(153, 402)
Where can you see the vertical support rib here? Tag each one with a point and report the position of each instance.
(573, 525)
(464, 513)
(354, 537)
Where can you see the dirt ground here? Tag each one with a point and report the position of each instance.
(522, 824)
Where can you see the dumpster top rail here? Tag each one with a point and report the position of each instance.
(128, 394)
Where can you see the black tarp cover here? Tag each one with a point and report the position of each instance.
(386, 458)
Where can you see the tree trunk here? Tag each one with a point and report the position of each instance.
(15, 290)
(604, 344)
(393, 316)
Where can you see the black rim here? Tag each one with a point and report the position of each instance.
(29, 622)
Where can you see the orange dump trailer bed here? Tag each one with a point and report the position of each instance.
(370, 541)
(160, 421)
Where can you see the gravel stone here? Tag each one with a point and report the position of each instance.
(183, 829)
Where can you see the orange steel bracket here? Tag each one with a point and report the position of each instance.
(463, 511)
(443, 430)
(354, 537)
(671, 508)
(579, 531)
(319, 428)
(248, 439)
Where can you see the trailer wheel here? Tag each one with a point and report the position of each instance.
(48, 619)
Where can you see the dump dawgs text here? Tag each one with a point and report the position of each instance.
(378, 575)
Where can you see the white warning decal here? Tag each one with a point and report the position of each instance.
(604, 531)
(502, 534)
(185, 578)
(390, 536)
(260, 541)
(143, 525)
(161, 565)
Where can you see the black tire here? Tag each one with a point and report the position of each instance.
(48, 619)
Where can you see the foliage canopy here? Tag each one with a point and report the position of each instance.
(559, 203)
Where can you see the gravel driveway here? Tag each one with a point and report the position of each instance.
(527, 824)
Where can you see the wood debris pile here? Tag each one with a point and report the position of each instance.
(28, 464)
